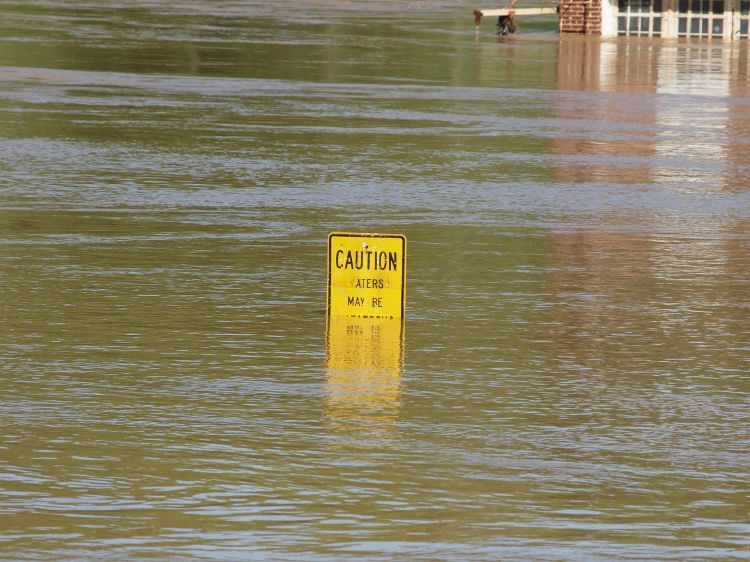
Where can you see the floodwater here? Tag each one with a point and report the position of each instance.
(570, 383)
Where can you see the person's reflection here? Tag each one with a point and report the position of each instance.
(364, 364)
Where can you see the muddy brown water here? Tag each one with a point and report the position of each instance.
(571, 381)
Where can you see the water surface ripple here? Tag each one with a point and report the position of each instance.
(572, 378)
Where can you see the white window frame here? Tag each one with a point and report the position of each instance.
(638, 20)
(704, 23)
(734, 20)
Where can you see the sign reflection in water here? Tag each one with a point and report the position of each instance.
(364, 365)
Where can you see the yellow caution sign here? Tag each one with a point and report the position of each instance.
(366, 275)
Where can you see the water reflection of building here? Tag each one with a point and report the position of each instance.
(738, 124)
(662, 141)
(597, 138)
(689, 111)
(364, 364)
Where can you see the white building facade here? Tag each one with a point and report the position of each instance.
(726, 20)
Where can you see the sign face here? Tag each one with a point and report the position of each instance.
(366, 275)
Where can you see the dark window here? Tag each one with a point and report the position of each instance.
(743, 28)
(657, 6)
(622, 25)
(682, 26)
(695, 6)
(622, 5)
(695, 28)
(718, 27)
(745, 7)
(718, 6)
(633, 24)
(683, 6)
(657, 26)
(644, 25)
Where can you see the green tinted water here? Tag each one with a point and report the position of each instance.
(572, 379)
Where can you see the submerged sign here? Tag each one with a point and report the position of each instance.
(366, 275)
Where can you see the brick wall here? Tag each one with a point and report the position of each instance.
(581, 16)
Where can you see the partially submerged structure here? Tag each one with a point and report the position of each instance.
(727, 20)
